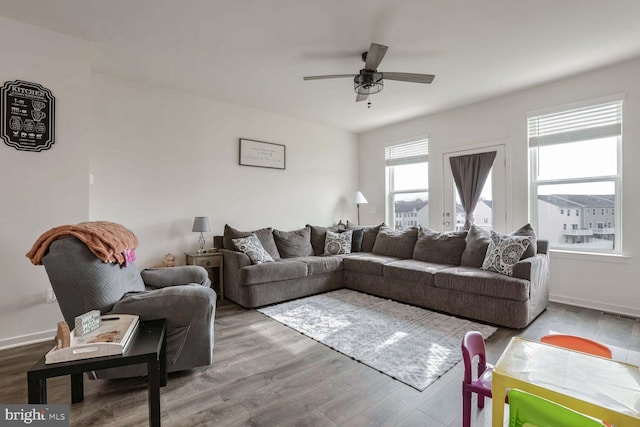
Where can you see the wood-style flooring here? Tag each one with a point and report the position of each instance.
(266, 374)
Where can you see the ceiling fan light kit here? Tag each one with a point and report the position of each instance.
(369, 81)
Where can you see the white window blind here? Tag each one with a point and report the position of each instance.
(593, 122)
(404, 154)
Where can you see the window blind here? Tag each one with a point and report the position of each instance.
(597, 121)
(408, 153)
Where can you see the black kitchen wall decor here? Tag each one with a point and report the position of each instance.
(27, 121)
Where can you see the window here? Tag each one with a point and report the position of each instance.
(407, 170)
(576, 159)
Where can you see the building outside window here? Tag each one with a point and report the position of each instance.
(575, 159)
(407, 176)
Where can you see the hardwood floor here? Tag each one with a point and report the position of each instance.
(266, 374)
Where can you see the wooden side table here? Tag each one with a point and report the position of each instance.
(209, 260)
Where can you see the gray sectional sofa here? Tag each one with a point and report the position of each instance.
(438, 271)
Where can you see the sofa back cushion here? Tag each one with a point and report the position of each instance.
(475, 249)
(527, 231)
(398, 244)
(265, 236)
(370, 233)
(439, 248)
(292, 244)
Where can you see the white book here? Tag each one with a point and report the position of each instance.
(111, 338)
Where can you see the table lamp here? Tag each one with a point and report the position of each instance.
(358, 199)
(201, 225)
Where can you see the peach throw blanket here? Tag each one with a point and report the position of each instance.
(107, 240)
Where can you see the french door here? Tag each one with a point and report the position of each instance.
(491, 210)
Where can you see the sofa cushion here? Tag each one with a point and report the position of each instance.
(439, 248)
(411, 270)
(295, 243)
(265, 236)
(399, 244)
(272, 272)
(481, 282)
(337, 243)
(504, 252)
(528, 231)
(318, 235)
(370, 232)
(367, 263)
(476, 245)
(252, 247)
(320, 264)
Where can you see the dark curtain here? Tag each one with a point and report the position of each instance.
(470, 173)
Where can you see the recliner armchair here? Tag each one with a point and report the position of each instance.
(182, 295)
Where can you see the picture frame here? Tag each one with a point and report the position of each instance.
(262, 154)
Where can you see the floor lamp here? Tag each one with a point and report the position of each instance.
(359, 199)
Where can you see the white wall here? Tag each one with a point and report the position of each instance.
(605, 282)
(161, 157)
(46, 189)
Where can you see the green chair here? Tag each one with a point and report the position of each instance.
(529, 410)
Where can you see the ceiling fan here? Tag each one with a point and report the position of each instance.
(369, 80)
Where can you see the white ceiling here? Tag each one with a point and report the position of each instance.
(255, 52)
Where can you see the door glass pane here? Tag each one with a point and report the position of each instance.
(483, 213)
(577, 216)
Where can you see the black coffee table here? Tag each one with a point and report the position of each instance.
(149, 346)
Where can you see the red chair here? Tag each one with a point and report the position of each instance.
(573, 342)
(472, 346)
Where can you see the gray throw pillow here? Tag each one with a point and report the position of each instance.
(439, 248)
(292, 244)
(504, 252)
(527, 231)
(265, 236)
(337, 243)
(252, 247)
(369, 236)
(357, 234)
(398, 244)
(477, 242)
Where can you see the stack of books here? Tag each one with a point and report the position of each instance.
(115, 333)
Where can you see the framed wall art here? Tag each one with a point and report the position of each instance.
(262, 154)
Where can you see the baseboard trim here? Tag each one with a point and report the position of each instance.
(595, 305)
(22, 340)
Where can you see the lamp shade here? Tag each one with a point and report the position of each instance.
(359, 198)
(201, 224)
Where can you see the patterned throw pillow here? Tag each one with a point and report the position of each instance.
(337, 243)
(504, 252)
(252, 247)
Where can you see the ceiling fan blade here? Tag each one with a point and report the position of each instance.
(361, 97)
(374, 56)
(332, 76)
(409, 77)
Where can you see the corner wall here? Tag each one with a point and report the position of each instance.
(41, 190)
(160, 157)
(597, 281)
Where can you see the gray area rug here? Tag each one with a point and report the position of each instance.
(413, 345)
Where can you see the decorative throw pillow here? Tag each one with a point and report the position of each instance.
(357, 234)
(369, 236)
(265, 235)
(504, 252)
(527, 231)
(338, 243)
(252, 247)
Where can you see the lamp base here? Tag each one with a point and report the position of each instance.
(201, 243)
